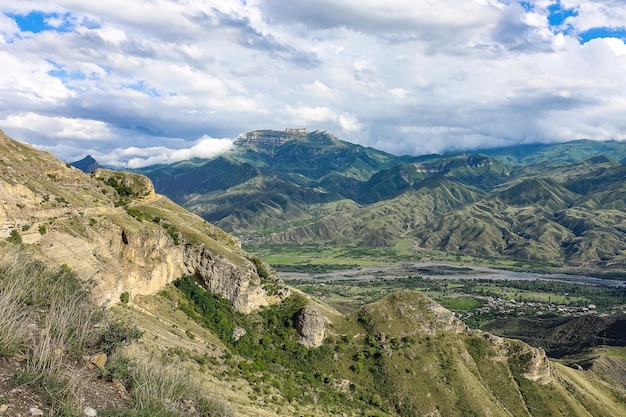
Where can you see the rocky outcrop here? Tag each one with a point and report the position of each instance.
(538, 368)
(534, 361)
(241, 284)
(117, 234)
(311, 326)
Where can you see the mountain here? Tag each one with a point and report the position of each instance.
(88, 164)
(561, 204)
(270, 179)
(567, 152)
(195, 326)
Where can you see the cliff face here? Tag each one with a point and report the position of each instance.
(116, 232)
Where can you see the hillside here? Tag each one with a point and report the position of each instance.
(561, 204)
(114, 230)
(568, 152)
(240, 343)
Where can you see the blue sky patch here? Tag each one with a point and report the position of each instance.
(66, 76)
(37, 22)
(526, 5)
(143, 88)
(558, 14)
(593, 33)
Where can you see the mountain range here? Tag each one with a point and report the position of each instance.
(561, 204)
(213, 319)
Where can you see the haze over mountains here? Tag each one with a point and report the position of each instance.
(562, 204)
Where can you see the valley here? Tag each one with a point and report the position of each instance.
(485, 298)
(344, 310)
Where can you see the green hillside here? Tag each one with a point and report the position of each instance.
(567, 152)
(561, 204)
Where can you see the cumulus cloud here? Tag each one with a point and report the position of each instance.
(205, 147)
(405, 76)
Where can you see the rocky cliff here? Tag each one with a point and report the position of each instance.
(116, 232)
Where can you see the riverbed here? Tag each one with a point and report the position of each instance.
(442, 271)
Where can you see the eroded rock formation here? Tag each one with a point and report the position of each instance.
(116, 233)
(311, 326)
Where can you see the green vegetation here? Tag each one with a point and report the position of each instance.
(124, 298)
(136, 213)
(270, 353)
(285, 190)
(172, 232)
(15, 237)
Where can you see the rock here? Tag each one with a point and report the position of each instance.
(99, 360)
(119, 387)
(34, 411)
(89, 412)
(342, 385)
(538, 369)
(238, 333)
(3, 408)
(311, 326)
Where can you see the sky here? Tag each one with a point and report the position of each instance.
(141, 82)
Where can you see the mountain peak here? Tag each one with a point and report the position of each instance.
(275, 137)
(88, 164)
(271, 139)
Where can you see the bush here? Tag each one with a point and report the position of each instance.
(15, 237)
(117, 335)
(124, 298)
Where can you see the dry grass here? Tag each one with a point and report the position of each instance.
(48, 318)
(12, 317)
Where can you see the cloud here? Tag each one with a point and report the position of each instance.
(205, 147)
(59, 127)
(138, 157)
(406, 76)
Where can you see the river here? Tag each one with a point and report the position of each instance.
(442, 271)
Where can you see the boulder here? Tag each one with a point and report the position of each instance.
(311, 326)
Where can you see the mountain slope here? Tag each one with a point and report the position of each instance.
(568, 152)
(88, 164)
(240, 334)
(114, 230)
(566, 209)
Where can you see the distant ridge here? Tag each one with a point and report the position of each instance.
(88, 164)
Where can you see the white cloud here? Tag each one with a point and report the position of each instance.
(58, 127)
(205, 147)
(596, 13)
(405, 76)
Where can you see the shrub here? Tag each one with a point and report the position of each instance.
(15, 237)
(124, 298)
(118, 334)
(260, 268)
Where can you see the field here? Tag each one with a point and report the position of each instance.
(476, 294)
